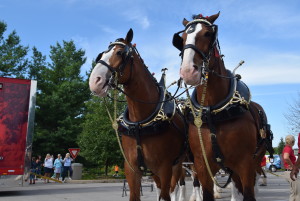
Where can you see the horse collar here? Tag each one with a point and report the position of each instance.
(163, 113)
(235, 103)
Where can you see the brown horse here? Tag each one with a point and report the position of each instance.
(234, 131)
(153, 131)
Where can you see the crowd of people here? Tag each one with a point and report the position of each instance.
(56, 169)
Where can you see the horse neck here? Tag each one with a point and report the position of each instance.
(217, 87)
(142, 88)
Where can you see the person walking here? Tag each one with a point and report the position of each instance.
(39, 162)
(67, 167)
(116, 171)
(48, 166)
(263, 168)
(58, 163)
(296, 166)
(289, 161)
(33, 170)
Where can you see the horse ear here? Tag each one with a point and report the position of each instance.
(184, 22)
(129, 36)
(212, 18)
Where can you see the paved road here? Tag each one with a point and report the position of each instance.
(277, 190)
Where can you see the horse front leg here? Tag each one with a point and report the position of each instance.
(157, 185)
(248, 177)
(165, 179)
(182, 186)
(177, 175)
(134, 182)
(236, 188)
(207, 186)
(248, 181)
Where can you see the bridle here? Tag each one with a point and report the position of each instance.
(119, 71)
(189, 28)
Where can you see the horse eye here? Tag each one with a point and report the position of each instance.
(207, 34)
(119, 53)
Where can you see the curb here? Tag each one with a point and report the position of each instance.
(95, 181)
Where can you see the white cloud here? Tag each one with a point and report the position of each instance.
(137, 17)
(107, 29)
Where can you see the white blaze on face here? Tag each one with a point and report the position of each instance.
(100, 74)
(188, 72)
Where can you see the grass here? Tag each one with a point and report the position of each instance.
(99, 173)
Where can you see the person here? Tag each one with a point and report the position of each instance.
(33, 169)
(263, 167)
(39, 166)
(296, 166)
(289, 160)
(116, 171)
(67, 167)
(48, 166)
(58, 166)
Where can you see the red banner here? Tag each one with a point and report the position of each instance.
(14, 105)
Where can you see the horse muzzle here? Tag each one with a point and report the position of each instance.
(190, 75)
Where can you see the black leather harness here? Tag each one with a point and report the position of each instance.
(158, 121)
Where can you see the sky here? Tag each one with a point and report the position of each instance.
(265, 34)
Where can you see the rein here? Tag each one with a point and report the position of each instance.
(115, 126)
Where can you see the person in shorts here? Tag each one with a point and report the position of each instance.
(48, 166)
(58, 163)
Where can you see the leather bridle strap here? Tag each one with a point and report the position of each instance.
(107, 65)
(204, 57)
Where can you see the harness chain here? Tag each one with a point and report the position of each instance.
(198, 123)
(115, 124)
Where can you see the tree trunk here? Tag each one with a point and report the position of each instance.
(106, 167)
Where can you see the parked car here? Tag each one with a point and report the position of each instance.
(275, 165)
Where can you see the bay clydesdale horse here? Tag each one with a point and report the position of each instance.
(153, 130)
(234, 131)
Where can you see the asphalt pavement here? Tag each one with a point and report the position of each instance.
(95, 190)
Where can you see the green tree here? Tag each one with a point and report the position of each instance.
(98, 140)
(60, 100)
(37, 66)
(280, 146)
(13, 61)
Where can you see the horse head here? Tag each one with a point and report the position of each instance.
(198, 40)
(114, 63)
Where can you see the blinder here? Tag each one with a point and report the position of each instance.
(99, 57)
(178, 41)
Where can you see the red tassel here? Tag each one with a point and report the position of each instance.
(216, 52)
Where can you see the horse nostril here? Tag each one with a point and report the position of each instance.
(97, 80)
(196, 67)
